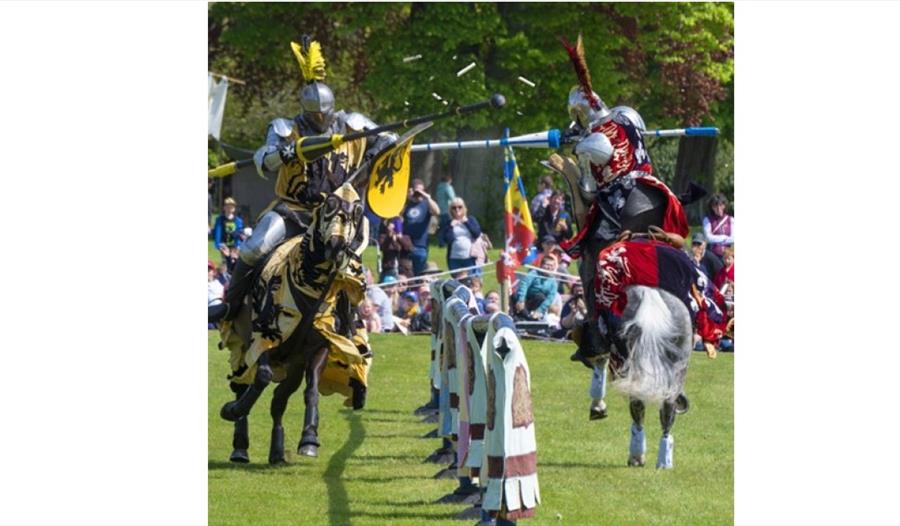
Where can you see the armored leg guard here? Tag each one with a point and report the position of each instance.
(241, 280)
(638, 446)
(276, 447)
(241, 442)
(665, 458)
(359, 394)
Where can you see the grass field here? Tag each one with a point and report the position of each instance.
(371, 468)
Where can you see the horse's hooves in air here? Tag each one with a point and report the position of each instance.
(240, 456)
(227, 412)
(636, 462)
(682, 404)
(309, 450)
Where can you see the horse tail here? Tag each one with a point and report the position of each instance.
(657, 329)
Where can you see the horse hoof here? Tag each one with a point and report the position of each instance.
(636, 462)
(240, 456)
(277, 460)
(682, 404)
(598, 411)
(227, 412)
(309, 450)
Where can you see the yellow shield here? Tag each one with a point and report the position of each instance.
(389, 178)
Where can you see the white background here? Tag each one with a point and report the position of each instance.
(103, 391)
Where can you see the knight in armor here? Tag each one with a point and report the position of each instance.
(614, 161)
(305, 178)
(616, 177)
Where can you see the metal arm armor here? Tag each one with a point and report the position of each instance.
(267, 158)
(627, 115)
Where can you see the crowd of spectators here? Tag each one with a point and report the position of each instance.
(547, 298)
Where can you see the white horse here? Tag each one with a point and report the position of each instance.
(656, 334)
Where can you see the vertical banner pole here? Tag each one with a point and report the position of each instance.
(507, 176)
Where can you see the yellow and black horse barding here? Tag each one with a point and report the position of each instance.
(300, 323)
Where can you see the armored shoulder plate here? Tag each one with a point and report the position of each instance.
(282, 127)
(628, 115)
(359, 122)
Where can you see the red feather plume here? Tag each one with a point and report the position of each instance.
(576, 54)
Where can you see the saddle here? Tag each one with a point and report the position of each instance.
(656, 233)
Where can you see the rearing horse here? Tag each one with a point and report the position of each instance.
(299, 324)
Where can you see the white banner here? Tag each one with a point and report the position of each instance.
(217, 93)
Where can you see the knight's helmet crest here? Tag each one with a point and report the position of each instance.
(585, 106)
(316, 98)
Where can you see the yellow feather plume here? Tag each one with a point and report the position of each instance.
(312, 66)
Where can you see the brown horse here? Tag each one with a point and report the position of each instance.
(299, 325)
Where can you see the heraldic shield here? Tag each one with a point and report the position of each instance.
(389, 180)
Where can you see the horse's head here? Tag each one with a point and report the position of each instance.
(339, 224)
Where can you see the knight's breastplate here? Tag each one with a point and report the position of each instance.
(304, 185)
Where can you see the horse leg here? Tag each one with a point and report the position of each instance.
(667, 441)
(240, 443)
(598, 390)
(309, 440)
(279, 404)
(237, 409)
(638, 441)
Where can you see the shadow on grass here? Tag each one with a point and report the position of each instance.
(388, 516)
(381, 480)
(225, 465)
(623, 465)
(338, 500)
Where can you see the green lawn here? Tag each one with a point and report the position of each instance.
(371, 468)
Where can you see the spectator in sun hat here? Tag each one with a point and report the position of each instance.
(227, 225)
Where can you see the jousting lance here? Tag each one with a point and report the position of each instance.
(549, 139)
(311, 148)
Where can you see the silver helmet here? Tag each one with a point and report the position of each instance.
(317, 102)
(581, 111)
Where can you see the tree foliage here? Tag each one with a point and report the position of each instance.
(673, 62)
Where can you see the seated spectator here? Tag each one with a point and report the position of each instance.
(215, 292)
(423, 291)
(698, 251)
(474, 284)
(718, 228)
(430, 270)
(369, 316)
(553, 220)
(407, 310)
(409, 305)
(724, 280)
(395, 247)
(381, 299)
(491, 302)
(458, 234)
(227, 225)
(536, 292)
(224, 276)
(574, 311)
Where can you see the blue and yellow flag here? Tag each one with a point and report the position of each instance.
(520, 235)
